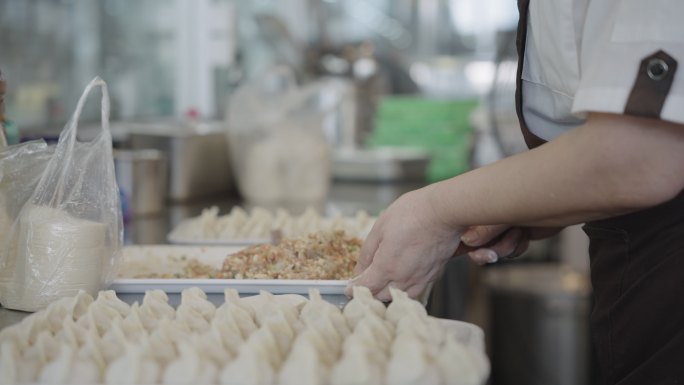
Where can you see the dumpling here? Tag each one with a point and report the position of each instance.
(317, 307)
(156, 305)
(411, 363)
(133, 325)
(373, 328)
(264, 342)
(461, 366)
(402, 306)
(324, 327)
(266, 304)
(277, 324)
(305, 365)
(160, 347)
(251, 367)
(210, 347)
(72, 333)
(233, 297)
(229, 333)
(108, 298)
(70, 369)
(191, 318)
(44, 350)
(426, 328)
(98, 317)
(189, 368)
(195, 299)
(234, 315)
(356, 367)
(134, 367)
(92, 350)
(114, 342)
(362, 303)
(14, 369)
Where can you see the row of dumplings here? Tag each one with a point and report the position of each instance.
(260, 222)
(264, 339)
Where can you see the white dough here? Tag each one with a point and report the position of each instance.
(54, 256)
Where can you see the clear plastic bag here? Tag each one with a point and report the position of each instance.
(278, 148)
(67, 236)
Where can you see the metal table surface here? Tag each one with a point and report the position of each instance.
(343, 197)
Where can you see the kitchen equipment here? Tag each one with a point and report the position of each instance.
(539, 325)
(197, 155)
(142, 179)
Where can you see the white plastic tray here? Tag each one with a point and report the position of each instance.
(169, 259)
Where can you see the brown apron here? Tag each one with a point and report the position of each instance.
(637, 273)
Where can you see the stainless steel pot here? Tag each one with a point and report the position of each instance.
(142, 179)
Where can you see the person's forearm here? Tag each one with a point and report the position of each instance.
(610, 166)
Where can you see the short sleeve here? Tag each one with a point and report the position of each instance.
(631, 59)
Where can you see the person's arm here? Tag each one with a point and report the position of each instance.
(611, 165)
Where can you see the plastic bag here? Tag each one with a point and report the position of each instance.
(68, 234)
(277, 144)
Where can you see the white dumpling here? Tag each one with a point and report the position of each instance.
(232, 296)
(114, 342)
(14, 369)
(160, 347)
(459, 365)
(44, 350)
(304, 366)
(210, 346)
(134, 367)
(189, 368)
(191, 318)
(72, 333)
(282, 331)
(411, 363)
(18, 335)
(70, 369)
(264, 342)
(356, 367)
(92, 350)
(426, 328)
(229, 333)
(134, 325)
(362, 303)
(250, 367)
(98, 317)
(234, 315)
(318, 307)
(108, 298)
(375, 329)
(402, 306)
(196, 299)
(156, 304)
(266, 304)
(324, 327)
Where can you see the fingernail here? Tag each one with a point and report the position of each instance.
(491, 256)
(469, 237)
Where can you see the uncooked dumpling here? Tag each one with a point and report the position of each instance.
(362, 303)
(70, 369)
(190, 369)
(411, 363)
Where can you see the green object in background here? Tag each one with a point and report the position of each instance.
(442, 127)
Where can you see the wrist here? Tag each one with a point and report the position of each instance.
(439, 207)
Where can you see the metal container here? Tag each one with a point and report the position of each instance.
(197, 154)
(142, 179)
(539, 325)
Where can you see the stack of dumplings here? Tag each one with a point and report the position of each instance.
(261, 340)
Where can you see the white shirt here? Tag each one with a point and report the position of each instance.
(584, 55)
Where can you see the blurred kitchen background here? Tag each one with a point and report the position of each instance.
(337, 104)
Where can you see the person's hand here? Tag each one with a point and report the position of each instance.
(406, 249)
(487, 244)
